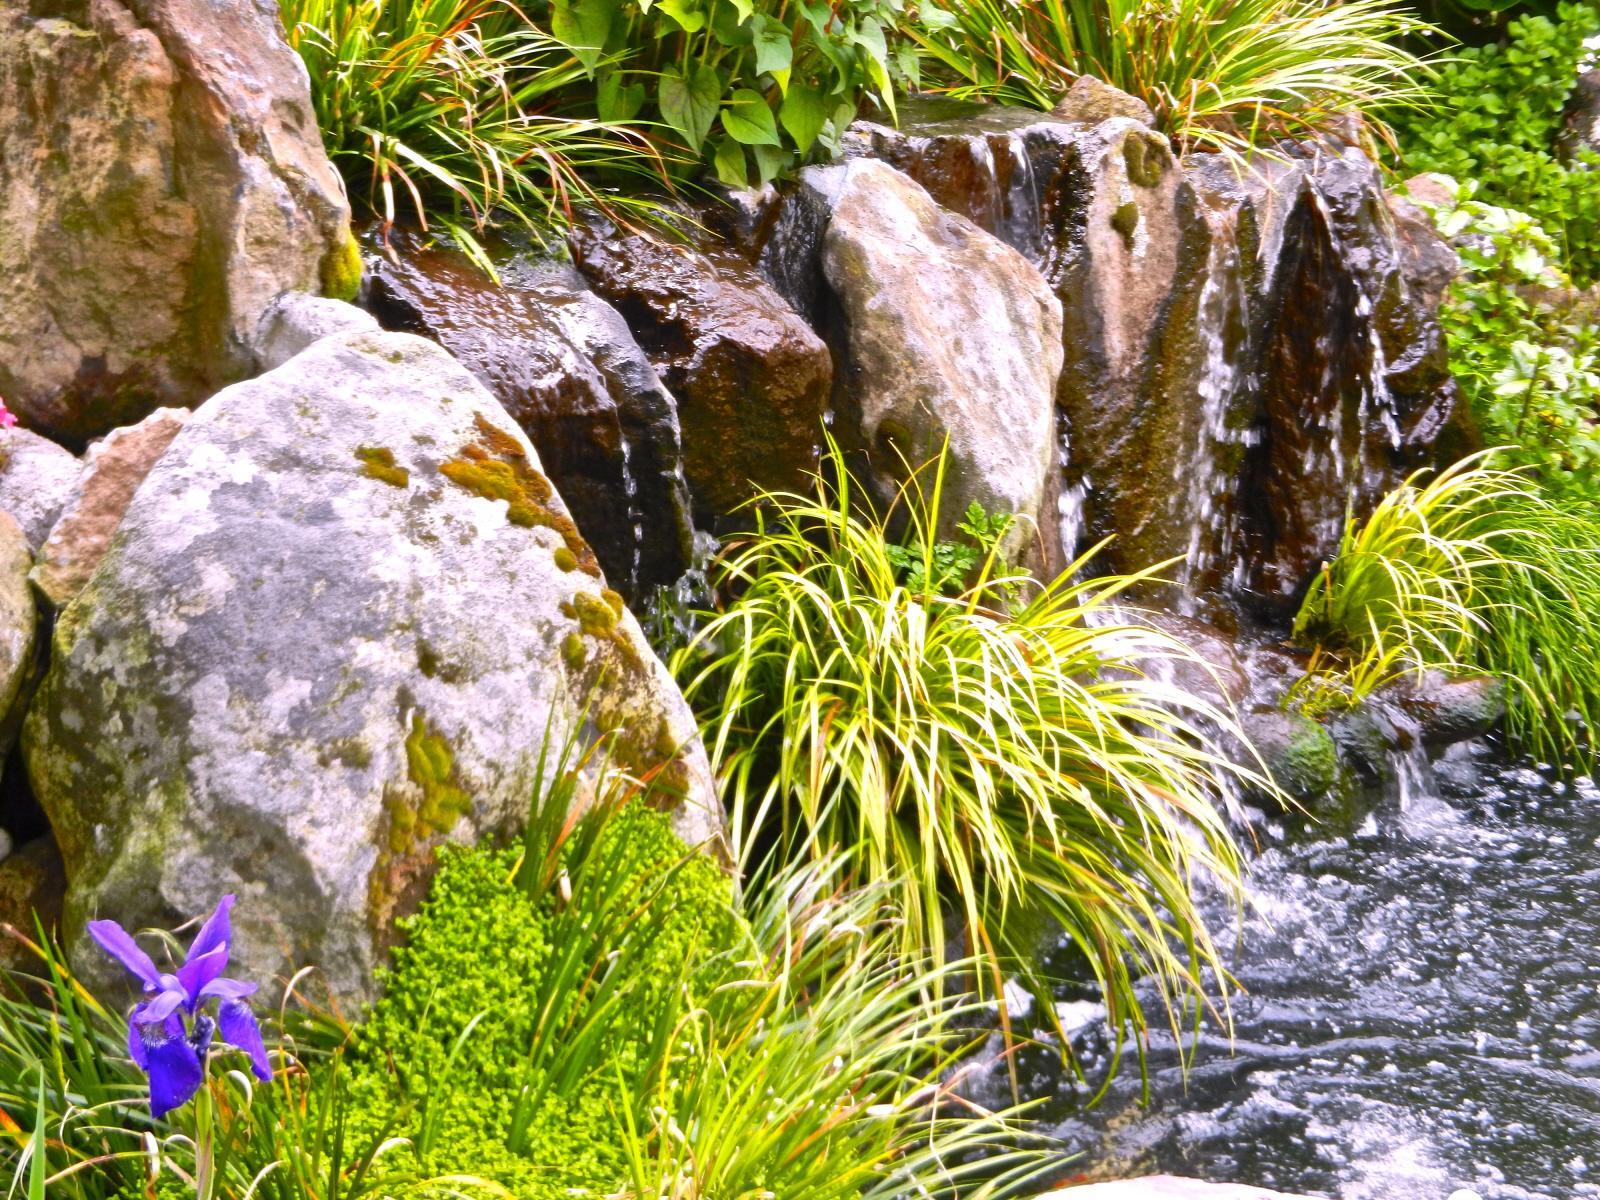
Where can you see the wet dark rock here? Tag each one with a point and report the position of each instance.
(951, 340)
(1448, 710)
(1217, 673)
(1580, 120)
(1428, 262)
(162, 179)
(1352, 388)
(563, 363)
(1299, 754)
(751, 378)
(1090, 101)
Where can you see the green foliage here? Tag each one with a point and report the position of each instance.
(1473, 571)
(1523, 346)
(1010, 767)
(754, 86)
(1217, 73)
(450, 110)
(1496, 126)
(616, 1021)
(947, 568)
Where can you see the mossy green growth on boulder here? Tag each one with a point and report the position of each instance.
(341, 269)
(481, 949)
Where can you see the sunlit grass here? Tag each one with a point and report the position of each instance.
(1216, 73)
(989, 767)
(1473, 570)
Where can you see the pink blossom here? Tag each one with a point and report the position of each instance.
(6, 419)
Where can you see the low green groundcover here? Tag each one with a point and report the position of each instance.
(479, 950)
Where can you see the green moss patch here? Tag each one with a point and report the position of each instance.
(497, 468)
(480, 950)
(1125, 220)
(379, 463)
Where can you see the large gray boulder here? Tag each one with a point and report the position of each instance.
(337, 624)
(950, 334)
(18, 626)
(36, 478)
(161, 180)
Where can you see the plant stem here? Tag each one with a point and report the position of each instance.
(204, 1142)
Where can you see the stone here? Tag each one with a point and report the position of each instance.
(33, 884)
(341, 617)
(752, 379)
(1427, 261)
(295, 320)
(18, 629)
(1448, 710)
(570, 373)
(36, 477)
(114, 467)
(162, 179)
(1214, 671)
(1166, 1187)
(1580, 119)
(1299, 753)
(1090, 101)
(952, 339)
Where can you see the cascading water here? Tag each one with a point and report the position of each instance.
(1206, 479)
(1421, 1009)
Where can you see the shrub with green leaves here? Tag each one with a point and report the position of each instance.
(1523, 345)
(1496, 125)
(1473, 571)
(996, 765)
(754, 85)
(1216, 73)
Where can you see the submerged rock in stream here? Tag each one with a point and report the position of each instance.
(563, 363)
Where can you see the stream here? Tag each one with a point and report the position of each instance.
(1422, 1010)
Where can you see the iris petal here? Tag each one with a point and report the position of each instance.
(216, 933)
(196, 973)
(238, 1027)
(174, 1070)
(116, 941)
(227, 989)
(163, 1006)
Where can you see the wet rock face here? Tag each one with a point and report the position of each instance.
(339, 619)
(161, 180)
(952, 338)
(1245, 352)
(563, 363)
(1353, 388)
(751, 377)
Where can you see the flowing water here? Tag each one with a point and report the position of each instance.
(1422, 1016)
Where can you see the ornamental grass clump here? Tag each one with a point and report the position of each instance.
(1217, 74)
(453, 112)
(1473, 571)
(989, 763)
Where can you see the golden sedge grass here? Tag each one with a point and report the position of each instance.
(992, 768)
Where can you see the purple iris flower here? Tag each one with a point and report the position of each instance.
(170, 1032)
